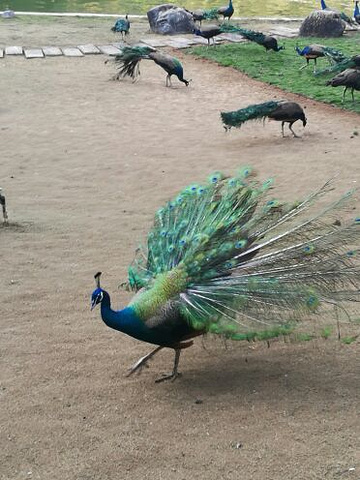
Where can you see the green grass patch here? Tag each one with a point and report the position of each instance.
(282, 68)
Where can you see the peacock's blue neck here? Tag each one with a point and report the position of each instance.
(323, 5)
(128, 322)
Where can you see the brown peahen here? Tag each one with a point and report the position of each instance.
(349, 78)
(224, 257)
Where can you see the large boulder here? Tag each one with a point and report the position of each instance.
(168, 19)
(322, 23)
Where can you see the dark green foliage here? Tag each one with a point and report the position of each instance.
(282, 69)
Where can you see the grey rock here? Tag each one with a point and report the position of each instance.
(168, 19)
(322, 23)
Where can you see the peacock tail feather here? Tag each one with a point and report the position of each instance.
(211, 14)
(339, 66)
(129, 58)
(252, 112)
(252, 35)
(333, 55)
(244, 265)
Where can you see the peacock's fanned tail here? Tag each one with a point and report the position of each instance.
(252, 112)
(128, 60)
(240, 263)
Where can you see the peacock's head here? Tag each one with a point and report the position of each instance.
(98, 294)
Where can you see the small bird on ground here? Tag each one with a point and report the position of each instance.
(128, 62)
(349, 78)
(122, 25)
(3, 206)
(224, 257)
(226, 12)
(282, 111)
(209, 32)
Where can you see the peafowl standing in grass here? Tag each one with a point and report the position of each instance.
(209, 32)
(223, 257)
(282, 111)
(122, 25)
(200, 14)
(349, 78)
(347, 62)
(267, 41)
(357, 12)
(227, 11)
(315, 51)
(129, 58)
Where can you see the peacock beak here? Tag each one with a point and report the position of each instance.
(93, 305)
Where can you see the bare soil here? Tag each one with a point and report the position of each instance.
(85, 162)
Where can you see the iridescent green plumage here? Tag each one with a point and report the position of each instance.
(239, 263)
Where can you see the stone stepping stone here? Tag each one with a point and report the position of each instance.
(177, 43)
(109, 49)
(13, 50)
(33, 53)
(231, 37)
(154, 42)
(1, 53)
(119, 45)
(88, 49)
(285, 32)
(71, 52)
(52, 51)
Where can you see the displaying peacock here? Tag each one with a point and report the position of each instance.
(224, 257)
(315, 51)
(129, 58)
(349, 78)
(122, 25)
(282, 111)
(267, 41)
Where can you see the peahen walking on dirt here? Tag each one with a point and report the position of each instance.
(282, 111)
(122, 25)
(227, 11)
(315, 51)
(349, 78)
(209, 32)
(224, 257)
(267, 41)
(128, 63)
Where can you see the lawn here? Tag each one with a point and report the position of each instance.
(283, 68)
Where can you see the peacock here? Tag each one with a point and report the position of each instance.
(226, 12)
(201, 14)
(267, 41)
(343, 15)
(122, 25)
(349, 78)
(208, 32)
(347, 62)
(282, 111)
(315, 51)
(357, 12)
(129, 58)
(223, 257)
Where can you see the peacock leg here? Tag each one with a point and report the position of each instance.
(292, 131)
(282, 129)
(344, 94)
(174, 374)
(352, 94)
(142, 362)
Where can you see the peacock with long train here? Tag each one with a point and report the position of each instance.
(225, 258)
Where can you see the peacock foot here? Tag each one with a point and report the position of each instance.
(138, 366)
(172, 376)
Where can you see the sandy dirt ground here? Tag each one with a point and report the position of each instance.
(84, 163)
